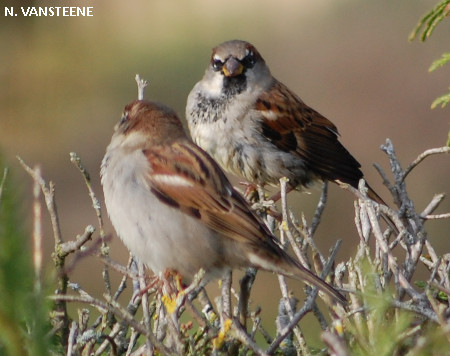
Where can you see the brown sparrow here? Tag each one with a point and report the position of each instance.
(256, 127)
(174, 208)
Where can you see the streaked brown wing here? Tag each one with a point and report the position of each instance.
(184, 176)
(294, 127)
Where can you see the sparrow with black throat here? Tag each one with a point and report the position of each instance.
(255, 127)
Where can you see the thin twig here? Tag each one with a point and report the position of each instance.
(392, 262)
(37, 233)
(76, 160)
(118, 311)
(433, 205)
(286, 310)
(383, 208)
(296, 318)
(61, 316)
(387, 183)
(416, 308)
(49, 196)
(72, 339)
(123, 283)
(133, 339)
(422, 156)
(226, 296)
(320, 208)
(145, 309)
(2, 183)
(121, 328)
(73, 246)
(307, 307)
(437, 216)
(336, 345)
(286, 225)
(126, 271)
(242, 336)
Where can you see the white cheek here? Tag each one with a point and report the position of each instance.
(215, 84)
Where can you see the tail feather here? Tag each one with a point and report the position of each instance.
(314, 280)
(372, 194)
(294, 269)
(375, 197)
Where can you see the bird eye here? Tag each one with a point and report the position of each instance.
(216, 64)
(124, 118)
(249, 60)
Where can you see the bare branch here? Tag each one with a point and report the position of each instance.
(145, 310)
(296, 318)
(142, 84)
(336, 345)
(61, 316)
(49, 196)
(2, 182)
(242, 336)
(320, 208)
(438, 216)
(422, 156)
(72, 339)
(416, 308)
(118, 311)
(37, 232)
(437, 199)
(76, 160)
(72, 246)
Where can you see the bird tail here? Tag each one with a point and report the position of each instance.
(294, 269)
(375, 197)
(372, 194)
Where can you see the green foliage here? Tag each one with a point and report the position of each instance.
(442, 101)
(381, 330)
(439, 62)
(428, 23)
(23, 314)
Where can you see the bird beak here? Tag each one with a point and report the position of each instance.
(232, 68)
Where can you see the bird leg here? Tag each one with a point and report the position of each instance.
(175, 291)
(154, 282)
(251, 192)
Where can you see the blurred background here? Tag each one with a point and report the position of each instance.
(65, 80)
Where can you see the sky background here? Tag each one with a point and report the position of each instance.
(65, 80)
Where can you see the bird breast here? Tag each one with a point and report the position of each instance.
(159, 235)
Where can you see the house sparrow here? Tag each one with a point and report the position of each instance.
(257, 128)
(174, 208)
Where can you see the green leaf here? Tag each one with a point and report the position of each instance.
(24, 324)
(440, 62)
(442, 297)
(442, 101)
(429, 22)
(421, 284)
